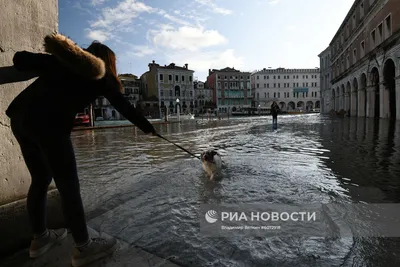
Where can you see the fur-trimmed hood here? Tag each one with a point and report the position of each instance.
(74, 57)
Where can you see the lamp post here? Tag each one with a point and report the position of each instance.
(259, 110)
(178, 110)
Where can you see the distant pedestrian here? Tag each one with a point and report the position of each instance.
(42, 116)
(274, 111)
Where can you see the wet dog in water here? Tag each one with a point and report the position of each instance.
(212, 163)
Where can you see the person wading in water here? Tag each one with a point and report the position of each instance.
(42, 116)
(274, 111)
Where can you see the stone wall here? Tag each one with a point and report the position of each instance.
(23, 25)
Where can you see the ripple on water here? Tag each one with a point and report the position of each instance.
(147, 192)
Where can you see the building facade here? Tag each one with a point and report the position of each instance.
(365, 55)
(325, 80)
(292, 89)
(164, 85)
(203, 97)
(230, 88)
(131, 89)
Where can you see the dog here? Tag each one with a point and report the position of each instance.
(211, 162)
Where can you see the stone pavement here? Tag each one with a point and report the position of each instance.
(60, 256)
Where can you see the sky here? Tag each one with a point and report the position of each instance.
(248, 35)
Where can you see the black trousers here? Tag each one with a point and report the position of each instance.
(274, 119)
(49, 154)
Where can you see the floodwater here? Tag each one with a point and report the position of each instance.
(147, 192)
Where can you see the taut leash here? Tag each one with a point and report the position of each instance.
(190, 153)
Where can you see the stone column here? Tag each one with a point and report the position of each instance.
(383, 101)
(398, 97)
(370, 101)
(23, 26)
(353, 101)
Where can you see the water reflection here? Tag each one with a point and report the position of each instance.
(147, 192)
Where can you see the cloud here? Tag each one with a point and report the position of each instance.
(273, 2)
(214, 7)
(291, 27)
(173, 18)
(202, 61)
(122, 15)
(98, 35)
(97, 2)
(78, 6)
(141, 51)
(185, 38)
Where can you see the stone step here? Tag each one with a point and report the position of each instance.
(60, 256)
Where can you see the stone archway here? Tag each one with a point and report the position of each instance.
(354, 98)
(389, 74)
(374, 102)
(282, 105)
(309, 106)
(291, 105)
(362, 96)
(300, 105)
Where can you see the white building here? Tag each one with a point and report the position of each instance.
(203, 96)
(325, 80)
(292, 89)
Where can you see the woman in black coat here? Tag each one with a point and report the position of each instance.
(42, 116)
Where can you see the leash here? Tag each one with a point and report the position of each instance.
(190, 153)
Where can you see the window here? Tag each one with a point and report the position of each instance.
(190, 78)
(274, 85)
(170, 77)
(265, 77)
(258, 77)
(267, 85)
(274, 94)
(279, 85)
(362, 44)
(279, 77)
(176, 78)
(362, 10)
(380, 32)
(388, 26)
(354, 21)
(354, 56)
(279, 94)
(294, 84)
(347, 61)
(183, 78)
(258, 85)
(373, 39)
(161, 77)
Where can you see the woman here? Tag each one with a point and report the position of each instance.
(69, 79)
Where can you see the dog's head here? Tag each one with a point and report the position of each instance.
(208, 155)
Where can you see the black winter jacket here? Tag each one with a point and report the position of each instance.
(68, 80)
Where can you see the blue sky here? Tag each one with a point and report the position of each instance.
(245, 34)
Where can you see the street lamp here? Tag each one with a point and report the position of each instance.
(259, 109)
(178, 110)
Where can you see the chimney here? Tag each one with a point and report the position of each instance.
(186, 66)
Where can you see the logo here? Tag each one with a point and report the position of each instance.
(211, 216)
